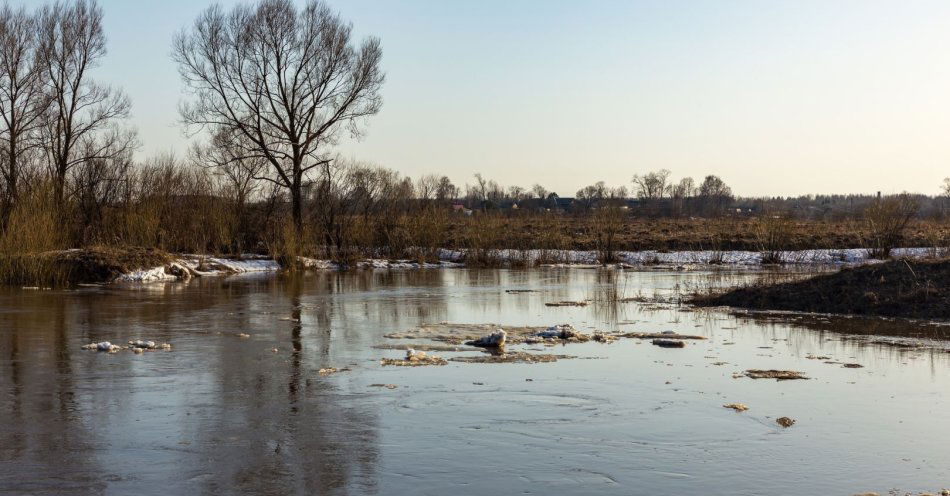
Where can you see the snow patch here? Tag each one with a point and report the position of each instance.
(149, 275)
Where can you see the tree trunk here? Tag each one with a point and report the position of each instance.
(10, 200)
(297, 206)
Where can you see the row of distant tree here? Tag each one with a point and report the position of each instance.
(655, 194)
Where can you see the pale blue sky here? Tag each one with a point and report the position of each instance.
(777, 97)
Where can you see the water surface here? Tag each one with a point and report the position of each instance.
(224, 415)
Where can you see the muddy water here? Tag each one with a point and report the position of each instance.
(221, 414)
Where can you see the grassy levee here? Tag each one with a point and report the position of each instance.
(896, 288)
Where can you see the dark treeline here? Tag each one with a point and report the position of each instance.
(271, 88)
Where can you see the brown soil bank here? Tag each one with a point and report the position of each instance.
(71, 267)
(580, 233)
(898, 288)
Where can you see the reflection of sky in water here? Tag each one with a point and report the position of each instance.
(222, 414)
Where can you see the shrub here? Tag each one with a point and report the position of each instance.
(885, 220)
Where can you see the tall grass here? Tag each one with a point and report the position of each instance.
(774, 234)
(607, 224)
(32, 233)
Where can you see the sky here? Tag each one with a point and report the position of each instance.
(776, 97)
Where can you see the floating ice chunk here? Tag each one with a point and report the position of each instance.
(563, 331)
(493, 340)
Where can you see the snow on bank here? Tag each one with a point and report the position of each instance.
(380, 263)
(376, 263)
(196, 266)
(156, 274)
(823, 257)
(707, 257)
(246, 265)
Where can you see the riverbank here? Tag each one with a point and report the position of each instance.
(908, 288)
(108, 265)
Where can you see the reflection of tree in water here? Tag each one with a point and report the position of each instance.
(609, 297)
(277, 426)
(42, 421)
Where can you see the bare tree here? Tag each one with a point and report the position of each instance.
(539, 191)
(286, 79)
(21, 99)
(589, 196)
(427, 187)
(479, 190)
(714, 194)
(886, 219)
(651, 186)
(446, 191)
(237, 173)
(80, 121)
(680, 193)
(97, 184)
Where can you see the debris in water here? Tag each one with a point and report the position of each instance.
(460, 333)
(669, 343)
(563, 331)
(515, 357)
(780, 375)
(601, 337)
(424, 347)
(813, 357)
(567, 304)
(414, 359)
(518, 291)
(387, 386)
(739, 407)
(102, 346)
(493, 340)
(138, 351)
(331, 370)
(853, 366)
(243, 335)
(785, 422)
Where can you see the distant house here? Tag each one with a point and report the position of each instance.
(565, 204)
(458, 207)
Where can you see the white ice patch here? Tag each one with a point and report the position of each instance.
(246, 265)
(382, 263)
(150, 275)
(317, 264)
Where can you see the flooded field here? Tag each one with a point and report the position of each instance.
(246, 400)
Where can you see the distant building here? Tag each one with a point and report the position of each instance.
(458, 207)
(565, 204)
